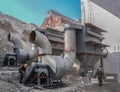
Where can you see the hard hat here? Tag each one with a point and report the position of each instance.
(25, 65)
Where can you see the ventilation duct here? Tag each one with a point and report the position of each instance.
(40, 40)
(23, 49)
(60, 65)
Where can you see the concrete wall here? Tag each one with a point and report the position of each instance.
(98, 16)
(111, 64)
(112, 6)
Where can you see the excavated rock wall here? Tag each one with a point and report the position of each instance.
(10, 24)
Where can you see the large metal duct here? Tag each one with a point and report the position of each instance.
(34, 52)
(63, 64)
(15, 40)
(24, 50)
(70, 39)
(60, 65)
(40, 40)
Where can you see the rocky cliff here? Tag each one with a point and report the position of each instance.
(10, 24)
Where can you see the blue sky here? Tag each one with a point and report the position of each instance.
(35, 11)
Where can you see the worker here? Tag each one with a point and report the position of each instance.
(100, 74)
(22, 71)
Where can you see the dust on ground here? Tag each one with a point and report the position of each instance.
(9, 82)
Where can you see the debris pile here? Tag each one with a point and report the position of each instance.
(9, 74)
(13, 87)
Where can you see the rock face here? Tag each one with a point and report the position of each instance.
(10, 24)
(9, 78)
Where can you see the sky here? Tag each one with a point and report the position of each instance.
(35, 11)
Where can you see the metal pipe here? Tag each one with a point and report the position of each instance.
(34, 52)
(22, 54)
(67, 61)
(40, 40)
(60, 65)
(24, 50)
(15, 40)
(64, 64)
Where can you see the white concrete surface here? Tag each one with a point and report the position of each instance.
(111, 64)
(92, 13)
